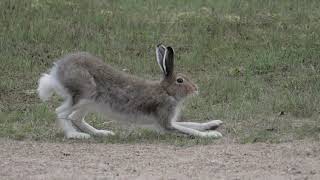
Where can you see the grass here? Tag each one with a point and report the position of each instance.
(257, 63)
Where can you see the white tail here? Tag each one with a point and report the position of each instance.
(47, 86)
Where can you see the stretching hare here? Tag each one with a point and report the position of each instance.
(87, 84)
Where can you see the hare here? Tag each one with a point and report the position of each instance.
(87, 84)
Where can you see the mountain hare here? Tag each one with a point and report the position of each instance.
(87, 84)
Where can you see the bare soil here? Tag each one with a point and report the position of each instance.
(69, 160)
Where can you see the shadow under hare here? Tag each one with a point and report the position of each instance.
(87, 84)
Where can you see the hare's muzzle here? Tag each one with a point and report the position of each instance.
(195, 89)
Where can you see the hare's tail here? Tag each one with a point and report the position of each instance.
(49, 84)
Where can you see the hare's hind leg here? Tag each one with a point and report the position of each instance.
(77, 118)
(211, 125)
(63, 122)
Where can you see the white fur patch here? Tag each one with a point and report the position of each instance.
(164, 61)
(176, 113)
(158, 60)
(127, 121)
(161, 64)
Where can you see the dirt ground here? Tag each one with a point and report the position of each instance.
(39, 160)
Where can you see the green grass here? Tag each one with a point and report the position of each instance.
(253, 60)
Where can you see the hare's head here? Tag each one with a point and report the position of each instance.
(177, 85)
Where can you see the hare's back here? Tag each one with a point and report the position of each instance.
(79, 72)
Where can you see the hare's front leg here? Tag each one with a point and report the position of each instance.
(77, 118)
(211, 125)
(194, 132)
(190, 128)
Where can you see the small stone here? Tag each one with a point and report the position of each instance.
(313, 172)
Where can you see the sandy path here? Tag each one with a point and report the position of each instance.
(35, 160)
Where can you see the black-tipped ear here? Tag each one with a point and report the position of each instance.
(160, 53)
(169, 61)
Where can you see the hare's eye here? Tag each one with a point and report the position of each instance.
(180, 80)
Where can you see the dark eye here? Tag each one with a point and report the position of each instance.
(180, 80)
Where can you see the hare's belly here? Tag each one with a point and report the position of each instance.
(127, 120)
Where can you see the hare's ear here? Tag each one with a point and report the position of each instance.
(160, 52)
(168, 61)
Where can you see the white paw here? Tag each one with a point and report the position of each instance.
(103, 133)
(77, 135)
(211, 134)
(215, 122)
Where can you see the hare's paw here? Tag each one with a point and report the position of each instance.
(77, 135)
(211, 134)
(103, 133)
(214, 124)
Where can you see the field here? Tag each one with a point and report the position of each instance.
(257, 64)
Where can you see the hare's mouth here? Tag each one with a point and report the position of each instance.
(195, 93)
